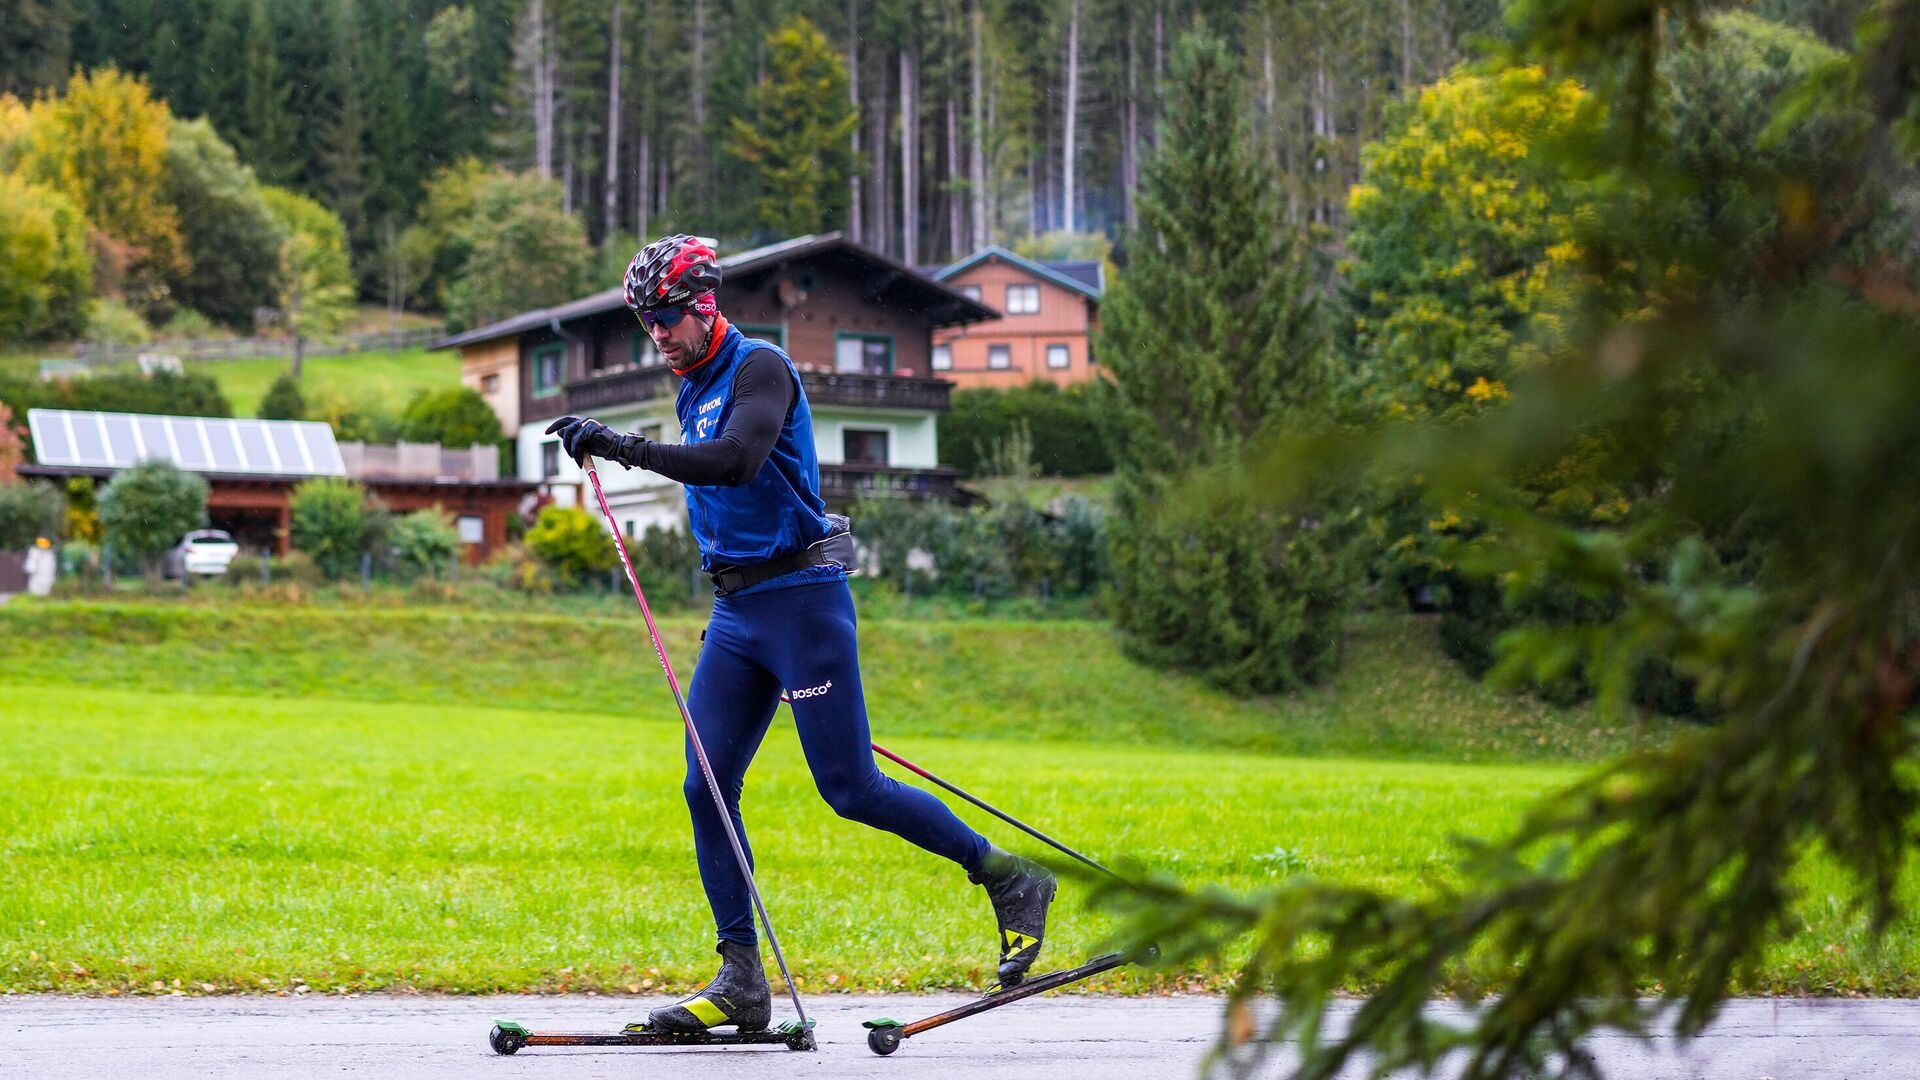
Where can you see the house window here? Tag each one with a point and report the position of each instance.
(766, 333)
(549, 460)
(999, 357)
(653, 432)
(943, 358)
(1058, 356)
(1023, 299)
(549, 362)
(473, 528)
(863, 354)
(630, 527)
(971, 292)
(863, 447)
(641, 351)
(490, 384)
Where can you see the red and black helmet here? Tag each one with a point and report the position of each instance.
(673, 271)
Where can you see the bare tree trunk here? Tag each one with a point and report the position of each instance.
(992, 190)
(909, 160)
(1159, 59)
(540, 67)
(1073, 116)
(1406, 48)
(853, 92)
(977, 160)
(612, 221)
(643, 185)
(956, 225)
(1130, 132)
(882, 229)
(700, 170)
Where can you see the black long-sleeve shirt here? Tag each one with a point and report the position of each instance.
(762, 394)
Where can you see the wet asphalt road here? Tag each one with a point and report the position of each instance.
(432, 1038)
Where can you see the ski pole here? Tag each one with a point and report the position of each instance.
(699, 751)
(989, 808)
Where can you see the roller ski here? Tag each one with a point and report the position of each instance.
(884, 1035)
(508, 1037)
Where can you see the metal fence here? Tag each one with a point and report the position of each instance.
(96, 352)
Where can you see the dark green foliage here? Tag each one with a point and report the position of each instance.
(330, 521)
(521, 250)
(35, 44)
(1758, 405)
(455, 417)
(986, 551)
(793, 138)
(232, 238)
(1064, 426)
(147, 509)
(1211, 336)
(190, 394)
(29, 511)
(283, 400)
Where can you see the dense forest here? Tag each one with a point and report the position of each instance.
(966, 121)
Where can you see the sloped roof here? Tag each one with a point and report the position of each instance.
(1084, 277)
(732, 266)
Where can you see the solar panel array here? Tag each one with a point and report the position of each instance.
(197, 443)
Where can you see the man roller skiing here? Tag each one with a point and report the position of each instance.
(782, 620)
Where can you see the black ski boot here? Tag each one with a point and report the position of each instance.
(739, 995)
(1021, 892)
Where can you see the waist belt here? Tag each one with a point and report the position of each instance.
(835, 547)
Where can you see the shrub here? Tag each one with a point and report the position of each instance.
(455, 416)
(571, 542)
(147, 509)
(1062, 424)
(330, 524)
(283, 401)
(1247, 593)
(423, 542)
(992, 552)
(29, 511)
(114, 323)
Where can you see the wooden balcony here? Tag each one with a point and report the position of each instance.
(842, 484)
(601, 392)
(876, 391)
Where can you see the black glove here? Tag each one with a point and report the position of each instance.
(580, 436)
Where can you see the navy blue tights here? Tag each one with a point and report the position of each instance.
(802, 639)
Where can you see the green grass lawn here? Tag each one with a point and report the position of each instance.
(254, 799)
(389, 378)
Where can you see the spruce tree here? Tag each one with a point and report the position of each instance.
(1211, 335)
(793, 139)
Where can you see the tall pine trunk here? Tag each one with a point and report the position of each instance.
(977, 160)
(956, 238)
(700, 163)
(854, 224)
(909, 160)
(611, 223)
(1072, 117)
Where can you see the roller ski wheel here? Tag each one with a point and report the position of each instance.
(883, 1036)
(507, 1037)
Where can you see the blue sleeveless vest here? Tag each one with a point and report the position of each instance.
(779, 511)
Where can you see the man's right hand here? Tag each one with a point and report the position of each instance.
(580, 436)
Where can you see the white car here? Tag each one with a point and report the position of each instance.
(203, 551)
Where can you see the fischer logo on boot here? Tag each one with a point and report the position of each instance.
(816, 691)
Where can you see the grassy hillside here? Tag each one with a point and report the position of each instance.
(387, 378)
(1396, 696)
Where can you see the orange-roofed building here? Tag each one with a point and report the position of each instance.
(1048, 314)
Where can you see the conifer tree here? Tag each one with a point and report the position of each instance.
(794, 136)
(1211, 336)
